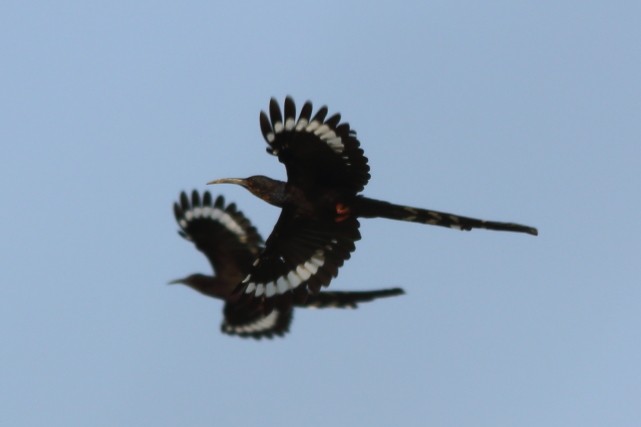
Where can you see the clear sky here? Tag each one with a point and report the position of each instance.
(518, 111)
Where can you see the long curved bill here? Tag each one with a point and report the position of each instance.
(237, 181)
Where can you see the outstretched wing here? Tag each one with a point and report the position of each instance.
(318, 153)
(226, 237)
(340, 299)
(301, 255)
(304, 252)
(251, 321)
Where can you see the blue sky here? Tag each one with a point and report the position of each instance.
(517, 111)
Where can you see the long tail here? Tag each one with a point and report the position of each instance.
(371, 208)
(347, 299)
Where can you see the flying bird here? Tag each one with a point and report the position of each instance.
(320, 204)
(231, 244)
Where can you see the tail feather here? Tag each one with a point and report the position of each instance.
(347, 299)
(371, 208)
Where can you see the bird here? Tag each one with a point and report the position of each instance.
(320, 204)
(231, 243)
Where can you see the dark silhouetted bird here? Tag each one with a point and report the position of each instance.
(231, 244)
(318, 223)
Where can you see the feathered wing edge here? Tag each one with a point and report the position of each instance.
(310, 146)
(300, 257)
(221, 232)
(343, 299)
(277, 322)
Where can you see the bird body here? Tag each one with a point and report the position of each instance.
(320, 204)
(231, 244)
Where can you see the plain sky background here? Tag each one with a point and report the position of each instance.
(518, 111)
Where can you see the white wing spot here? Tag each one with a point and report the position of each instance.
(301, 124)
(217, 215)
(270, 289)
(303, 273)
(321, 129)
(336, 144)
(294, 279)
(264, 323)
(310, 267)
(318, 259)
(312, 126)
(330, 134)
(282, 285)
(289, 123)
(250, 288)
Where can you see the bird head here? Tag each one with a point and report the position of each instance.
(270, 190)
(198, 282)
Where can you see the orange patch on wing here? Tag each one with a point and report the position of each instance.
(342, 212)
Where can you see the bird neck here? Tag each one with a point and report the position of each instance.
(270, 190)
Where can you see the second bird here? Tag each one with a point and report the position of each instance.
(231, 243)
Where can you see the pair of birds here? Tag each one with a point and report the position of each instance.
(316, 232)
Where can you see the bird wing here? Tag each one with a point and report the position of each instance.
(251, 321)
(340, 299)
(301, 255)
(226, 237)
(317, 152)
